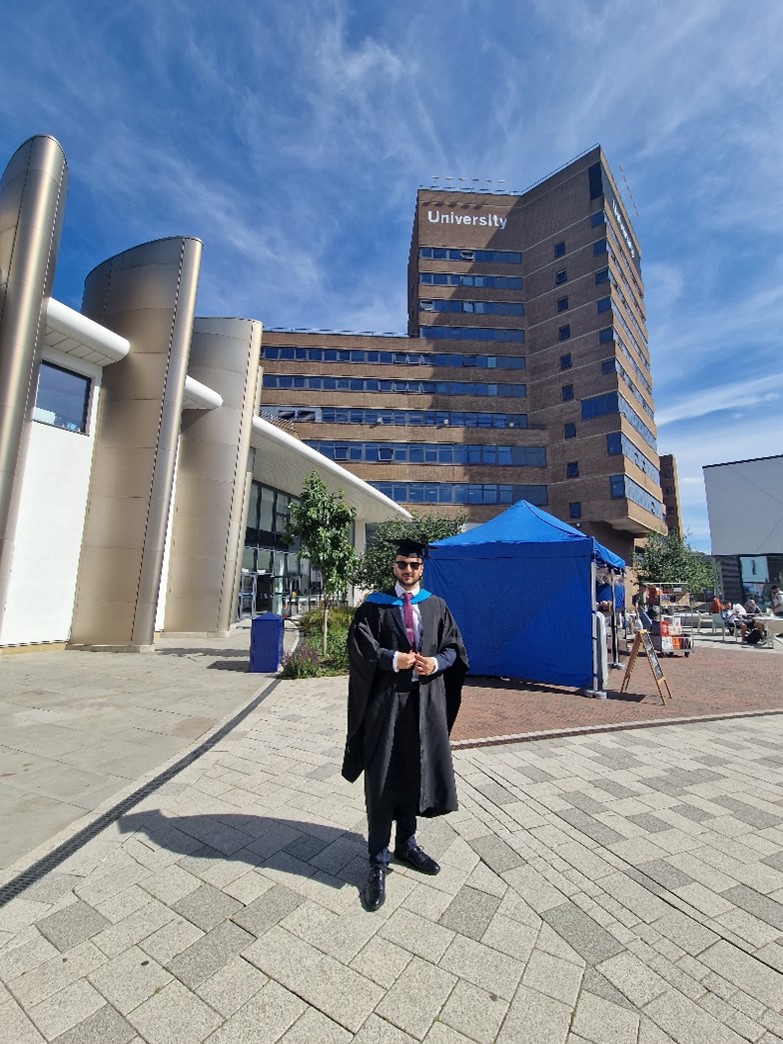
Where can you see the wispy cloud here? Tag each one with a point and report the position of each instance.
(291, 138)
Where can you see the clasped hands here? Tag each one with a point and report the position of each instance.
(421, 664)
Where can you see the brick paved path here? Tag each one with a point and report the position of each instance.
(623, 887)
(714, 680)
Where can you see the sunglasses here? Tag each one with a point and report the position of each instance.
(402, 563)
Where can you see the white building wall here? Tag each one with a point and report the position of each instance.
(160, 612)
(745, 506)
(50, 527)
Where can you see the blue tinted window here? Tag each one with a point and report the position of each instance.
(564, 332)
(600, 405)
(402, 418)
(604, 305)
(601, 276)
(471, 333)
(560, 249)
(561, 277)
(62, 398)
(567, 392)
(507, 257)
(572, 469)
(569, 430)
(565, 361)
(614, 443)
(562, 304)
(575, 509)
(462, 493)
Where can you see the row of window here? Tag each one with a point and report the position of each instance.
(471, 333)
(462, 493)
(608, 335)
(411, 386)
(62, 398)
(431, 453)
(491, 282)
(476, 307)
(401, 418)
(614, 366)
(640, 347)
(618, 254)
(360, 355)
(622, 486)
(502, 257)
(617, 443)
(613, 402)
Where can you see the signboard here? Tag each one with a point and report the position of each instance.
(643, 643)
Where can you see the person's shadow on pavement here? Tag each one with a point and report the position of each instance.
(307, 849)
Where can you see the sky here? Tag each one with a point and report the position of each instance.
(291, 138)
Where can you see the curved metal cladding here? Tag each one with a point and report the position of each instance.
(146, 294)
(208, 522)
(32, 195)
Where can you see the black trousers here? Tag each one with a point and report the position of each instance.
(392, 781)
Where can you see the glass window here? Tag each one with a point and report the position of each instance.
(567, 392)
(266, 509)
(575, 509)
(560, 249)
(601, 276)
(561, 277)
(569, 430)
(600, 405)
(565, 361)
(606, 335)
(604, 305)
(599, 247)
(614, 443)
(562, 304)
(62, 398)
(572, 469)
(564, 332)
(608, 365)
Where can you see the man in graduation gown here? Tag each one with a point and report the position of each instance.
(407, 666)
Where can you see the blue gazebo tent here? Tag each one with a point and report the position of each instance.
(522, 590)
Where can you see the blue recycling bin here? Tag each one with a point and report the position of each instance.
(266, 643)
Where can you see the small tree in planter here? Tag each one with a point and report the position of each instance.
(322, 522)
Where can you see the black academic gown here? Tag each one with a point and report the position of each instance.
(376, 633)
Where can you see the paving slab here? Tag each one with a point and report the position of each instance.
(596, 885)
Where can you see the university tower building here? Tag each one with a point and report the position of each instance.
(525, 373)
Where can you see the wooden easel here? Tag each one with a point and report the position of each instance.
(643, 641)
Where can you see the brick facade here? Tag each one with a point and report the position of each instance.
(548, 261)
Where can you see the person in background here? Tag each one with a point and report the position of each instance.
(715, 605)
(407, 665)
(753, 631)
(751, 607)
(776, 596)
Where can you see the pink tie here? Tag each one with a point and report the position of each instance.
(407, 619)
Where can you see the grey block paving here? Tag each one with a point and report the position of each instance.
(74, 924)
(624, 887)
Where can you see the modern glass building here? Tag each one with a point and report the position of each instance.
(140, 489)
(525, 372)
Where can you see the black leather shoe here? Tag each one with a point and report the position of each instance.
(419, 860)
(375, 890)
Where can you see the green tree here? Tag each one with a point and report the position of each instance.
(322, 522)
(667, 559)
(373, 569)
